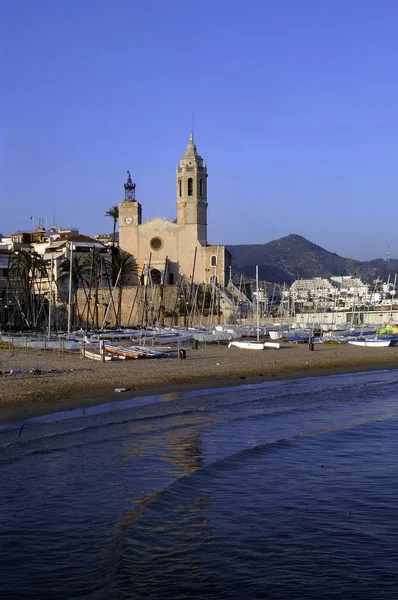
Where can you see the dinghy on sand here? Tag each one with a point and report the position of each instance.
(253, 345)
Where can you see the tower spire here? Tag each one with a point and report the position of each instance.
(129, 188)
(191, 151)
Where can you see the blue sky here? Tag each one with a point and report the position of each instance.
(294, 101)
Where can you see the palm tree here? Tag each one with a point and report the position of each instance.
(123, 265)
(96, 266)
(26, 271)
(113, 212)
(80, 278)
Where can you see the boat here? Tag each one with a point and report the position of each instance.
(271, 345)
(135, 352)
(389, 329)
(96, 355)
(253, 345)
(156, 351)
(130, 353)
(371, 343)
(275, 334)
(257, 345)
(173, 338)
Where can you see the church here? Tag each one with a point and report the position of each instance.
(169, 252)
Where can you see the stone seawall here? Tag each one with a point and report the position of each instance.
(141, 305)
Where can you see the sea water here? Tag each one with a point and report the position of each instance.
(285, 489)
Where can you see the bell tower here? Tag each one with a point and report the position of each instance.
(130, 217)
(192, 192)
(130, 210)
(129, 188)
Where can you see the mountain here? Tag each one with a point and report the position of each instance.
(293, 257)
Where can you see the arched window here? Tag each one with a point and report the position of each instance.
(200, 187)
(156, 276)
(190, 186)
(171, 278)
(214, 279)
(180, 188)
(213, 261)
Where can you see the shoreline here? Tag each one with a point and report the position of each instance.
(70, 382)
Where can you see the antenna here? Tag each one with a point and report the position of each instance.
(387, 258)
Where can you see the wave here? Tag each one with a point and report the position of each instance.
(161, 411)
(137, 401)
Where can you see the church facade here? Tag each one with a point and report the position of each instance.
(167, 252)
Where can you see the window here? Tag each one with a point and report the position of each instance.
(156, 276)
(213, 261)
(200, 187)
(156, 243)
(171, 278)
(179, 188)
(190, 186)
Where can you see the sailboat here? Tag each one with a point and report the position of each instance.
(371, 342)
(253, 345)
(257, 345)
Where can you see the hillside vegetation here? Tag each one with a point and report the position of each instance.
(294, 257)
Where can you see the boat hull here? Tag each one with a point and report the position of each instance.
(95, 355)
(371, 343)
(133, 353)
(254, 345)
(128, 354)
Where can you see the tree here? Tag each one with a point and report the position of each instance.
(26, 271)
(113, 212)
(97, 266)
(123, 265)
(80, 278)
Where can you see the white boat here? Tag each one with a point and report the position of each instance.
(253, 345)
(213, 337)
(155, 351)
(95, 355)
(173, 338)
(275, 334)
(371, 343)
(271, 345)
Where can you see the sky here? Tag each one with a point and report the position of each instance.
(293, 105)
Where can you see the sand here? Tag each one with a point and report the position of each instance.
(77, 382)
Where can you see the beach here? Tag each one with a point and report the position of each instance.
(70, 381)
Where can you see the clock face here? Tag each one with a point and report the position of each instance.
(129, 220)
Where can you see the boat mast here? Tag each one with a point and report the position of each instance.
(393, 295)
(70, 285)
(257, 307)
(51, 296)
(191, 287)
